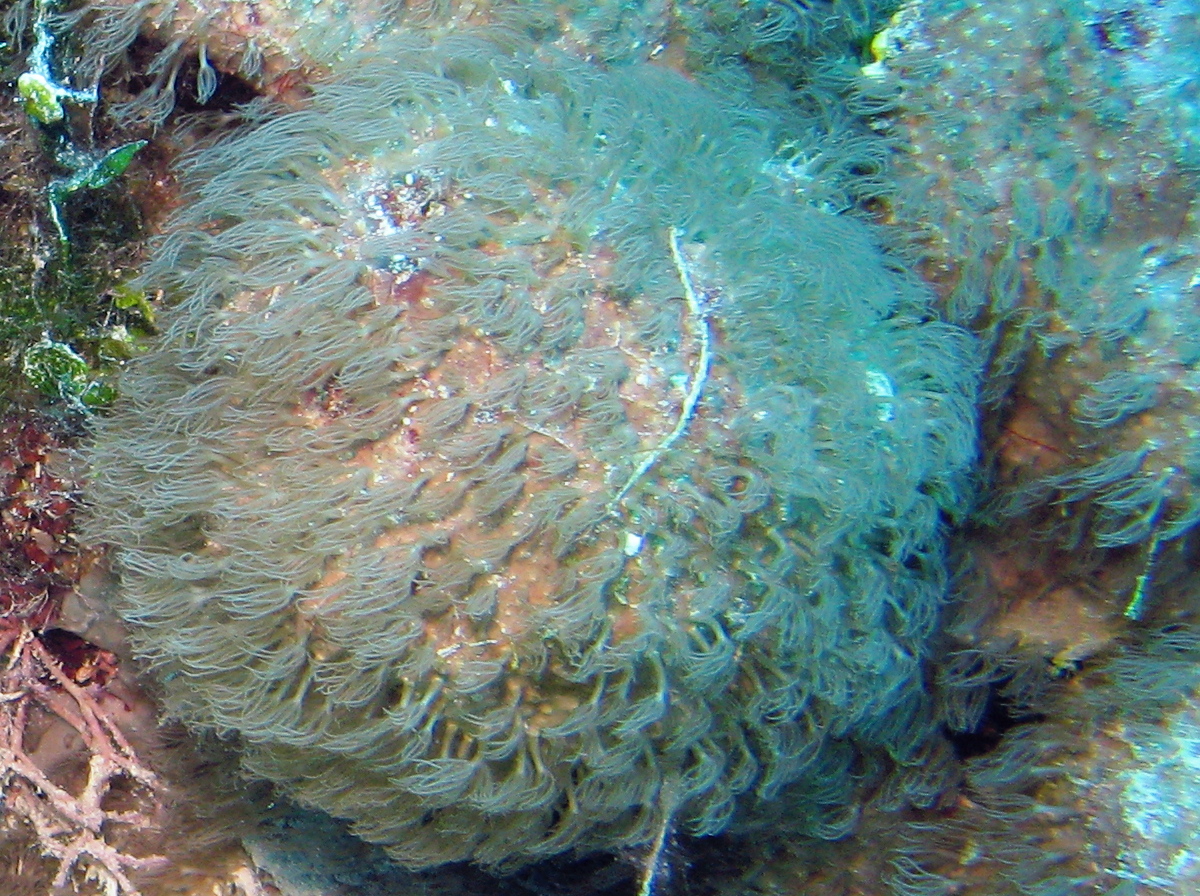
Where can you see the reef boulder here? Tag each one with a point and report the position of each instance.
(526, 466)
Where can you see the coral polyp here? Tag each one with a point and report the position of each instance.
(522, 468)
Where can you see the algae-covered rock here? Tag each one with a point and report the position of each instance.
(524, 467)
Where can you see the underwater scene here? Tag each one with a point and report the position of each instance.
(596, 448)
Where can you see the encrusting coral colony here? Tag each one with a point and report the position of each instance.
(547, 449)
(484, 485)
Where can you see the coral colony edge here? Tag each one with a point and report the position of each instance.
(723, 447)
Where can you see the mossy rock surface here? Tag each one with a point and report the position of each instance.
(411, 499)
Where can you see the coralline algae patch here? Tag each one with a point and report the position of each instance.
(523, 468)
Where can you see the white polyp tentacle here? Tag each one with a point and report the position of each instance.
(699, 324)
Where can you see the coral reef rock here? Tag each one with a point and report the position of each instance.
(524, 466)
(1094, 796)
(1071, 248)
